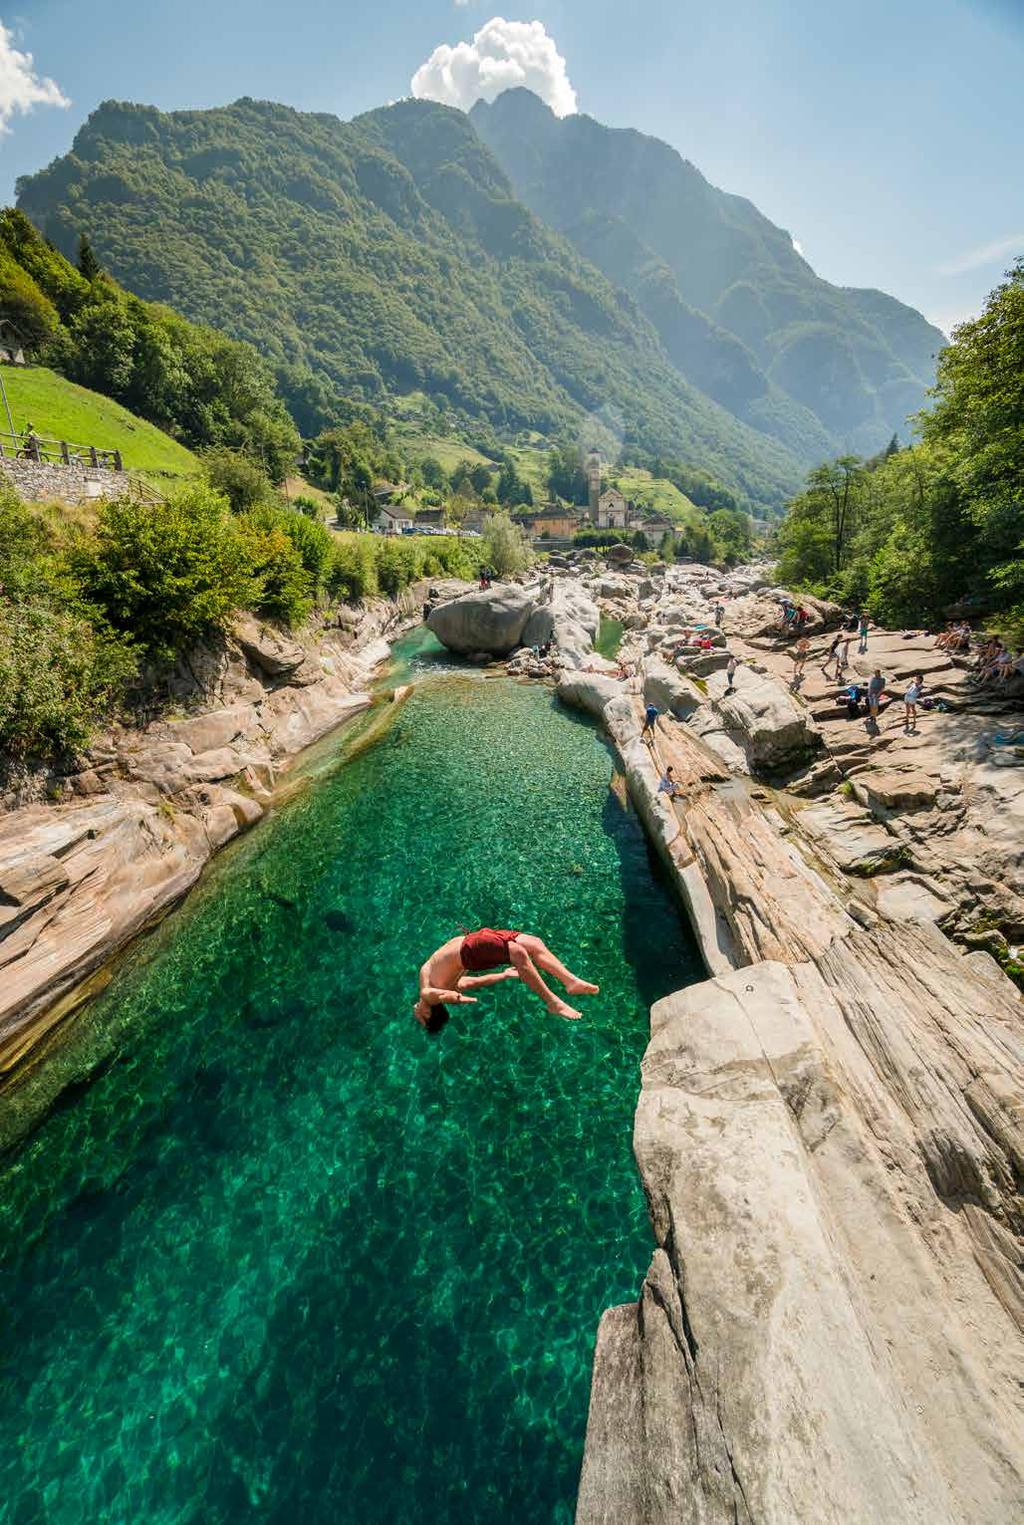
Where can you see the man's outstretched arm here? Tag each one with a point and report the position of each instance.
(472, 981)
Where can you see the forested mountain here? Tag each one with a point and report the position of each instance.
(739, 311)
(383, 256)
(192, 382)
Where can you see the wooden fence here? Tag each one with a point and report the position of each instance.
(57, 452)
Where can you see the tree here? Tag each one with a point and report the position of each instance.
(505, 546)
(88, 264)
(567, 477)
(238, 478)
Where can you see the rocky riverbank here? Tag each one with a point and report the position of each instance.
(138, 822)
(829, 1130)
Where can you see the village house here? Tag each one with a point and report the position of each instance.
(392, 520)
(552, 522)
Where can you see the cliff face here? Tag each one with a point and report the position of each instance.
(149, 808)
(830, 1138)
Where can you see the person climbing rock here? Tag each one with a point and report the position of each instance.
(476, 959)
(667, 784)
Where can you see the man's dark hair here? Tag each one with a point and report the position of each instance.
(438, 1018)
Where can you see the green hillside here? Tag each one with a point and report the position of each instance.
(378, 258)
(738, 309)
(58, 409)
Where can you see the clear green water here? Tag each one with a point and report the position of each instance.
(609, 637)
(286, 1258)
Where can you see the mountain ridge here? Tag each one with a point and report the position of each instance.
(380, 256)
(855, 359)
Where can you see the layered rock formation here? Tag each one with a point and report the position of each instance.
(831, 1139)
(149, 807)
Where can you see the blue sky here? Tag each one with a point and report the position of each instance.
(883, 134)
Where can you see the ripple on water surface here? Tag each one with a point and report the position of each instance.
(288, 1259)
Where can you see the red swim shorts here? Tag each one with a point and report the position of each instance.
(486, 949)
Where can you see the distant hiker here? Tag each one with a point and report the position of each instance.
(459, 965)
(667, 783)
(651, 714)
(719, 613)
(803, 646)
(832, 651)
(910, 703)
(863, 626)
(876, 688)
(731, 674)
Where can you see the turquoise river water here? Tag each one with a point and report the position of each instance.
(278, 1255)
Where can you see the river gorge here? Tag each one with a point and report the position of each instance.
(272, 1252)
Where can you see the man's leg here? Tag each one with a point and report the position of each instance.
(524, 966)
(543, 957)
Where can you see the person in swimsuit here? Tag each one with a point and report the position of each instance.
(470, 962)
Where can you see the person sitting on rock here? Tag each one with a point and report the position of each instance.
(667, 784)
(476, 959)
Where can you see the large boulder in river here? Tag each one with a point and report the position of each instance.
(491, 620)
(771, 726)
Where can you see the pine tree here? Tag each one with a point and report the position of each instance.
(88, 264)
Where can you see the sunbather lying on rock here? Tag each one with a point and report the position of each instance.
(460, 965)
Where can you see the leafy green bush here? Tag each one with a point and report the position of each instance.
(279, 587)
(351, 571)
(58, 675)
(60, 669)
(166, 575)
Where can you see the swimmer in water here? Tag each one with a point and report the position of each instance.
(477, 959)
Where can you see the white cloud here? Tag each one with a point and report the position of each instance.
(986, 254)
(21, 87)
(503, 54)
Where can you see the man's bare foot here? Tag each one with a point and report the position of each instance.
(563, 1009)
(581, 987)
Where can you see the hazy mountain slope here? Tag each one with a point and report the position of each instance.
(382, 255)
(858, 360)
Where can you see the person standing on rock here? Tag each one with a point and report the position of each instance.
(876, 688)
(833, 650)
(863, 626)
(719, 614)
(476, 959)
(803, 646)
(910, 700)
(730, 673)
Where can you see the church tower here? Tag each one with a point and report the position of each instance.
(593, 483)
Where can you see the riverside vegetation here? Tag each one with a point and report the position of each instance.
(912, 533)
(91, 615)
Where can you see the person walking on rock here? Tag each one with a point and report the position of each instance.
(651, 714)
(477, 959)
